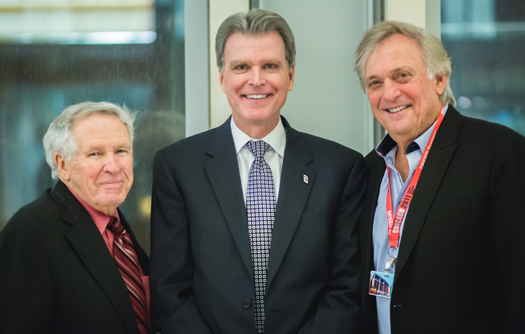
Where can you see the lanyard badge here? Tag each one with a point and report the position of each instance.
(382, 283)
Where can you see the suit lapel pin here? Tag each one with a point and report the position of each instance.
(305, 179)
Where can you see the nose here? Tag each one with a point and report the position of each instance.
(256, 77)
(390, 90)
(111, 164)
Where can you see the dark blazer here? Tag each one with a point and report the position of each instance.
(201, 270)
(461, 261)
(57, 275)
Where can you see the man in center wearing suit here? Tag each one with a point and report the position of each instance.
(453, 248)
(221, 207)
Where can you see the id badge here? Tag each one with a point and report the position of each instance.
(380, 284)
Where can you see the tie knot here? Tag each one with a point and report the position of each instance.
(115, 226)
(258, 148)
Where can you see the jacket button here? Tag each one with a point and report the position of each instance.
(247, 303)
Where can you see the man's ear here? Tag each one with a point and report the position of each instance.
(63, 172)
(441, 83)
(221, 81)
(291, 77)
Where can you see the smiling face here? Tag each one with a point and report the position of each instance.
(256, 80)
(402, 97)
(101, 171)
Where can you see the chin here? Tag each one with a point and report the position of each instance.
(112, 200)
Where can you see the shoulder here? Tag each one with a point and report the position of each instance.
(487, 136)
(483, 128)
(192, 144)
(35, 216)
(319, 148)
(188, 155)
(185, 153)
(326, 149)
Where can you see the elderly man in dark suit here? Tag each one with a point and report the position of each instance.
(69, 260)
(443, 221)
(254, 224)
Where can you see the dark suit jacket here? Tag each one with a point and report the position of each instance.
(461, 261)
(57, 275)
(202, 273)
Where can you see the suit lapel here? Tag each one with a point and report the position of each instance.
(92, 251)
(293, 195)
(223, 173)
(375, 166)
(435, 167)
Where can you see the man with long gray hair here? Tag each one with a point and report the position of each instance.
(69, 260)
(254, 223)
(443, 221)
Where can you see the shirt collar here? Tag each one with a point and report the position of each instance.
(100, 218)
(276, 139)
(387, 144)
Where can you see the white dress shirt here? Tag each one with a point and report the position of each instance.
(274, 156)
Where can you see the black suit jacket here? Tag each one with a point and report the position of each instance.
(201, 269)
(461, 259)
(57, 275)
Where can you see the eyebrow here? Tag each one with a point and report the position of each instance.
(99, 148)
(395, 70)
(234, 63)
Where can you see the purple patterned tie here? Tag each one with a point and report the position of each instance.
(260, 207)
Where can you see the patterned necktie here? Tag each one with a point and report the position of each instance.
(128, 265)
(260, 206)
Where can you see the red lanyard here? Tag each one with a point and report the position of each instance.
(395, 224)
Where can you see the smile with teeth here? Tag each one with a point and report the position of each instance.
(394, 110)
(260, 96)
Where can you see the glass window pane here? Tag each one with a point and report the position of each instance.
(39, 80)
(486, 42)
(77, 21)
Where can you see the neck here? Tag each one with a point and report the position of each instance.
(401, 163)
(402, 145)
(257, 130)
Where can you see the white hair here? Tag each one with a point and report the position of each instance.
(59, 137)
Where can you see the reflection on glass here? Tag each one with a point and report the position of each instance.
(77, 21)
(37, 81)
(486, 41)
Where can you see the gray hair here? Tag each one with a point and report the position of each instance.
(432, 52)
(59, 137)
(255, 22)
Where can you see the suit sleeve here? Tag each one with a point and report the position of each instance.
(173, 306)
(26, 286)
(338, 311)
(508, 226)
